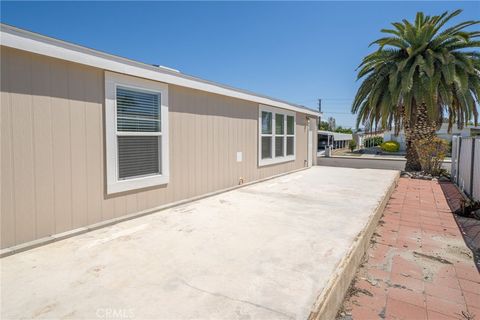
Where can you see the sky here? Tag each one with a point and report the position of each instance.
(294, 51)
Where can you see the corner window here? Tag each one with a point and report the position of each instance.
(276, 135)
(136, 132)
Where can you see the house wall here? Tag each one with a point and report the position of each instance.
(53, 148)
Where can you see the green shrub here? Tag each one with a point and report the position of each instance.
(352, 145)
(373, 141)
(431, 153)
(390, 146)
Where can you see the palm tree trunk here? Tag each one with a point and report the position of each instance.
(417, 128)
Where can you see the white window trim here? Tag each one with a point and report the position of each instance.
(286, 158)
(112, 81)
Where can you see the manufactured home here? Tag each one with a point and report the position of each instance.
(89, 138)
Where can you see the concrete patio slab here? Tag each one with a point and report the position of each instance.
(264, 251)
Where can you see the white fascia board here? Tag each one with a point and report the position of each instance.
(24, 40)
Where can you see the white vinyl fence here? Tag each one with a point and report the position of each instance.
(466, 165)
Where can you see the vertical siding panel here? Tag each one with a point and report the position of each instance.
(230, 143)
(7, 180)
(180, 161)
(7, 208)
(215, 150)
(120, 206)
(188, 155)
(142, 200)
(195, 162)
(184, 145)
(131, 203)
(169, 190)
(219, 173)
(231, 106)
(42, 142)
(151, 198)
(193, 139)
(206, 145)
(210, 166)
(191, 149)
(225, 142)
(247, 144)
(23, 153)
(223, 145)
(238, 132)
(175, 145)
(180, 146)
(210, 146)
(252, 142)
(241, 140)
(235, 147)
(93, 142)
(203, 144)
(76, 89)
(108, 208)
(61, 147)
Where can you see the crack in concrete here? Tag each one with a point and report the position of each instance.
(434, 258)
(216, 294)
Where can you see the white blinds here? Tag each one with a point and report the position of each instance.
(138, 133)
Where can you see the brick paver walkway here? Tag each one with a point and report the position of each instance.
(418, 266)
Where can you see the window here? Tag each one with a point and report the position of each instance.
(266, 135)
(290, 135)
(277, 135)
(136, 132)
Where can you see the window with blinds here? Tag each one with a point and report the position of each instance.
(138, 133)
(136, 127)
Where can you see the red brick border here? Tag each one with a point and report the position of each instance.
(418, 266)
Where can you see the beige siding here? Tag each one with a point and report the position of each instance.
(53, 158)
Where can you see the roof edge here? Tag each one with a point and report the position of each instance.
(36, 43)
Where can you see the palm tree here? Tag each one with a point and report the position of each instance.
(421, 73)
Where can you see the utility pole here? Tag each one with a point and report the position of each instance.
(319, 110)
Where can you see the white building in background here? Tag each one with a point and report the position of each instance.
(442, 133)
(336, 140)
